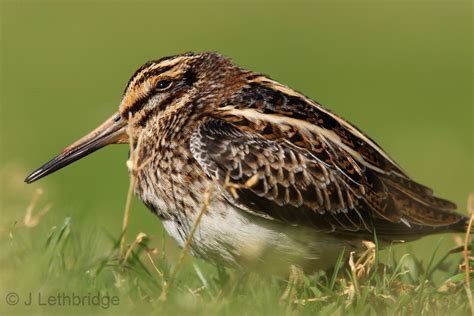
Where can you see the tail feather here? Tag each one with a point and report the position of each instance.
(419, 192)
(389, 232)
(421, 213)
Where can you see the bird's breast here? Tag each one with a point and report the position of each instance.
(171, 183)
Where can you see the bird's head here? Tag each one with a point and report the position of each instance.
(158, 88)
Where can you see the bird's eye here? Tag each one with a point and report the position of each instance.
(163, 84)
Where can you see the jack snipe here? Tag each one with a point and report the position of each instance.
(305, 182)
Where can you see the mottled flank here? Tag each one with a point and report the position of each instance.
(294, 182)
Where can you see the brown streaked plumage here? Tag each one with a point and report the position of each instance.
(305, 183)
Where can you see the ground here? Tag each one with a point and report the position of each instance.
(68, 267)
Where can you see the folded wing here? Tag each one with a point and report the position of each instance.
(309, 179)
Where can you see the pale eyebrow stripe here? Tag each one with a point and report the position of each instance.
(165, 65)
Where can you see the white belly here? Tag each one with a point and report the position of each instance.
(232, 237)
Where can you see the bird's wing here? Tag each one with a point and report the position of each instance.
(283, 158)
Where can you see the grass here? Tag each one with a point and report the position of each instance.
(69, 258)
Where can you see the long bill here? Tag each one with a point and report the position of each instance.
(112, 131)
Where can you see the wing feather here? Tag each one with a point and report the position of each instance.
(284, 160)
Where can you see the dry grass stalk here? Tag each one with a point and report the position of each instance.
(295, 281)
(131, 187)
(31, 220)
(366, 261)
(196, 291)
(137, 240)
(126, 215)
(467, 268)
(303, 302)
(132, 165)
(360, 268)
(205, 206)
(354, 287)
(162, 276)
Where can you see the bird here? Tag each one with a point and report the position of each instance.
(294, 184)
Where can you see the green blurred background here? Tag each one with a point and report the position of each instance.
(399, 70)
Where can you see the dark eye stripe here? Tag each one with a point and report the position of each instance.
(146, 116)
(189, 77)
